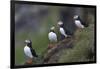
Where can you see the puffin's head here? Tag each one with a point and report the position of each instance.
(28, 42)
(60, 23)
(76, 17)
(52, 29)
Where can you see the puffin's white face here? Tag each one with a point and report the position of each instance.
(27, 41)
(60, 23)
(52, 28)
(76, 16)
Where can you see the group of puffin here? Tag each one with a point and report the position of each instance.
(30, 52)
(78, 22)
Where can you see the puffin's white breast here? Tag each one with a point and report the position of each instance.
(52, 37)
(62, 31)
(27, 52)
(78, 24)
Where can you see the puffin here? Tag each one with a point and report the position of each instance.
(79, 23)
(29, 51)
(52, 38)
(61, 29)
(52, 35)
(65, 33)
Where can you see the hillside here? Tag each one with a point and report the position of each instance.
(77, 49)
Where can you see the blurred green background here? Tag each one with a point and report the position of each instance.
(34, 22)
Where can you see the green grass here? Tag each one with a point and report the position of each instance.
(19, 55)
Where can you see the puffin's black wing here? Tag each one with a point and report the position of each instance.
(83, 22)
(33, 52)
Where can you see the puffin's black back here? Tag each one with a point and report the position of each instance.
(33, 51)
(83, 22)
